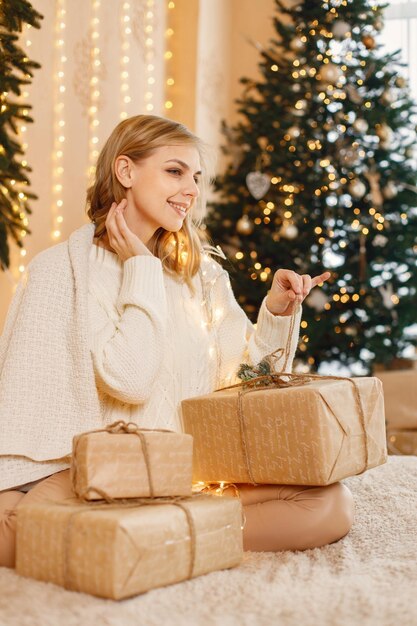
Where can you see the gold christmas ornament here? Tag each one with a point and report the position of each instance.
(357, 188)
(340, 29)
(360, 125)
(400, 82)
(369, 42)
(297, 45)
(289, 231)
(390, 190)
(330, 73)
(388, 96)
(244, 225)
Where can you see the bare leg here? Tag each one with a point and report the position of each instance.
(56, 487)
(284, 517)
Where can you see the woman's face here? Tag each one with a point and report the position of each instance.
(161, 189)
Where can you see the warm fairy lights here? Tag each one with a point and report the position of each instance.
(126, 30)
(95, 89)
(59, 122)
(168, 58)
(150, 56)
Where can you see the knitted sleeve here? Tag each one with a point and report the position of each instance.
(127, 348)
(238, 340)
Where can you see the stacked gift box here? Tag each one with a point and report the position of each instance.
(134, 524)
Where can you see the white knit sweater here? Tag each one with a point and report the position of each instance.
(155, 343)
(90, 339)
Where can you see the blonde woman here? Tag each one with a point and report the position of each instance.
(129, 317)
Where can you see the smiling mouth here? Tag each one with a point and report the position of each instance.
(179, 208)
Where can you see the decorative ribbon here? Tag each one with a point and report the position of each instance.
(283, 380)
(118, 427)
(127, 503)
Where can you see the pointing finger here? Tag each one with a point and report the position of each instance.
(320, 279)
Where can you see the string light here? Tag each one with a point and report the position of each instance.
(168, 57)
(126, 29)
(59, 123)
(150, 56)
(93, 118)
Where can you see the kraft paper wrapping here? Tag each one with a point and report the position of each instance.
(400, 393)
(116, 552)
(402, 441)
(310, 434)
(115, 464)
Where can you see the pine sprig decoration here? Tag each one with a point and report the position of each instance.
(247, 372)
(16, 71)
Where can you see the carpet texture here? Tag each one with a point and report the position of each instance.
(367, 578)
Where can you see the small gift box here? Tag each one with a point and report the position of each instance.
(117, 551)
(301, 430)
(124, 461)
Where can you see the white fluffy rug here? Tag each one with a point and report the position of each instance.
(367, 578)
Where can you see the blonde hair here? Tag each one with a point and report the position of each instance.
(137, 137)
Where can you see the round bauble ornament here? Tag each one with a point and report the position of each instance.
(330, 73)
(400, 82)
(357, 188)
(340, 29)
(369, 42)
(293, 132)
(388, 96)
(317, 300)
(244, 226)
(380, 241)
(390, 190)
(297, 45)
(379, 24)
(262, 142)
(385, 133)
(360, 125)
(258, 184)
(349, 156)
(289, 231)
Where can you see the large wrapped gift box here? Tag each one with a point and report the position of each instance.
(128, 462)
(119, 551)
(309, 434)
(400, 393)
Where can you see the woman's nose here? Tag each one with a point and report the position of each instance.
(192, 189)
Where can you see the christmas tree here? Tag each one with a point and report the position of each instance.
(321, 176)
(15, 72)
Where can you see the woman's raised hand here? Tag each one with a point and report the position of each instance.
(122, 240)
(289, 289)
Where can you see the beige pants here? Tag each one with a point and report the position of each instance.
(277, 517)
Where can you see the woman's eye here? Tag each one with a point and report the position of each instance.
(196, 180)
(176, 172)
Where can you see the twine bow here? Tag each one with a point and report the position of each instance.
(284, 380)
(115, 428)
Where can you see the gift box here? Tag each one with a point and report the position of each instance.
(402, 441)
(124, 461)
(117, 551)
(400, 393)
(313, 433)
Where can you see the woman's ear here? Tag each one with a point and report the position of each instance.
(123, 170)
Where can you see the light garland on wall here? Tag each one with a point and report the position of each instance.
(125, 60)
(93, 120)
(150, 56)
(59, 123)
(168, 105)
